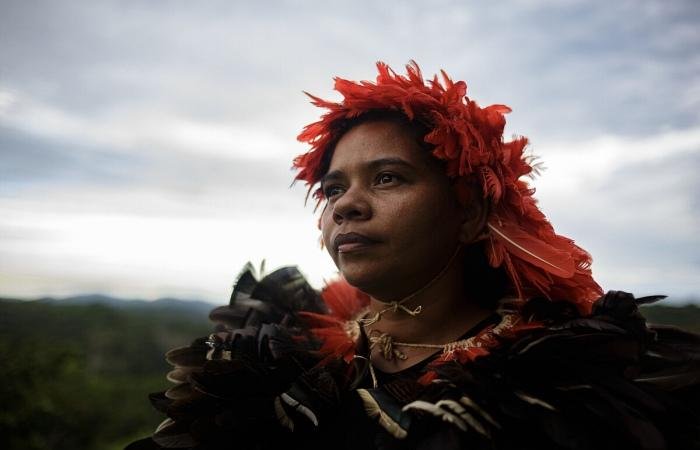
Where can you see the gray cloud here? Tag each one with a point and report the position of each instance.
(611, 67)
(178, 110)
(132, 182)
(28, 160)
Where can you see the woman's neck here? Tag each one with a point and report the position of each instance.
(446, 314)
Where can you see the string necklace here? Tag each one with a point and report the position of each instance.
(485, 332)
(388, 347)
(399, 304)
(388, 350)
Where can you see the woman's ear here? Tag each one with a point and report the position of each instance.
(474, 211)
(474, 221)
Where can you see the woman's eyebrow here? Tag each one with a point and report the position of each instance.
(375, 164)
(392, 161)
(331, 176)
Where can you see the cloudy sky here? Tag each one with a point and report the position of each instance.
(145, 146)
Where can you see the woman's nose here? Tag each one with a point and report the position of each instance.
(352, 205)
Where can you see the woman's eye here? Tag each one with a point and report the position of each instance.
(385, 178)
(332, 191)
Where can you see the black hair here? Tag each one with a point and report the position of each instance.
(484, 284)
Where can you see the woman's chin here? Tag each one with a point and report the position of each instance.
(357, 279)
(374, 283)
(362, 278)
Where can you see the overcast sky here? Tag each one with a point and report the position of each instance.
(145, 146)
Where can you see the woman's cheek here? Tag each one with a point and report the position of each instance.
(324, 226)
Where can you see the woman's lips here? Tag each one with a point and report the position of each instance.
(349, 242)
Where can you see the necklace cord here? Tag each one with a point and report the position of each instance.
(387, 345)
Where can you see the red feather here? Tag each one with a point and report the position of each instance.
(345, 304)
(470, 140)
(533, 249)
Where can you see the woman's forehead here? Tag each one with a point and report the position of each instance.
(380, 140)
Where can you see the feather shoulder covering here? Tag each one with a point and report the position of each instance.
(286, 367)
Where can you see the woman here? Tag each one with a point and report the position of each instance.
(463, 320)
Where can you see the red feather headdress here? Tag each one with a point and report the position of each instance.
(470, 140)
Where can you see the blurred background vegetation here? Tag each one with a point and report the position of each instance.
(76, 372)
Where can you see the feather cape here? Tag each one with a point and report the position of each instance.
(284, 369)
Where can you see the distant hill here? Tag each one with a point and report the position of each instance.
(686, 317)
(197, 307)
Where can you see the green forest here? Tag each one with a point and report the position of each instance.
(77, 376)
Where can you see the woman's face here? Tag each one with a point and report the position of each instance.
(391, 221)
